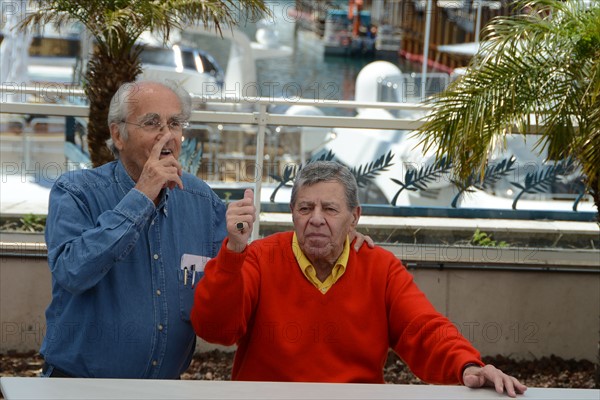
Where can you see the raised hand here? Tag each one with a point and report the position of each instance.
(240, 218)
(160, 172)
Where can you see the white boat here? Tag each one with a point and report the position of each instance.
(193, 68)
(54, 58)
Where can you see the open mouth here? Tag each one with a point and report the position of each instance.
(166, 152)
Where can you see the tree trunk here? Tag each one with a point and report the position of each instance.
(105, 74)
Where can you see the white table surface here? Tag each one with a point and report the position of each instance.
(70, 388)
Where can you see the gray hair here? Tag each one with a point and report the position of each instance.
(118, 110)
(327, 171)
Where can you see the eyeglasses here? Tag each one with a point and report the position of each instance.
(154, 125)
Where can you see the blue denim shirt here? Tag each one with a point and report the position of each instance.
(119, 306)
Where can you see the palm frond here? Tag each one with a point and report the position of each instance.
(365, 173)
(118, 22)
(492, 174)
(291, 171)
(539, 67)
(116, 26)
(418, 179)
(191, 155)
(542, 181)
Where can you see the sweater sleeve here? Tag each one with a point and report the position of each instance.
(427, 341)
(225, 297)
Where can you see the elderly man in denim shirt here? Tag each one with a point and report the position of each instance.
(116, 235)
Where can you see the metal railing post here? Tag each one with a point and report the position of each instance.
(261, 119)
(26, 143)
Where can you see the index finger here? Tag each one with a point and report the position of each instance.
(157, 148)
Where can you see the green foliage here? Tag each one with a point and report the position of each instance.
(483, 239)
(33, 223)
(26, 223)
(116, 26)
(539, 67)
(227, 197)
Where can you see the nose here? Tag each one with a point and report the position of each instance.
(169, 135)
(317, 217)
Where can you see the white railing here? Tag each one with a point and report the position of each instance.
(231, 111)
(259, 116)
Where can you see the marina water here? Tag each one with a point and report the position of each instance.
(307, 73)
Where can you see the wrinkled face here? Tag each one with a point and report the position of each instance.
(149, 105)
(322, 220)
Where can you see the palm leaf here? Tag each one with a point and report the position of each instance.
(492, 174)
(191, 155)
(539, 67)
(291, 170)
(366, 172)
(542, 181)
(417, 179)
(116, 26)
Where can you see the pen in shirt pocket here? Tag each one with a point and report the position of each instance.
(195, 265)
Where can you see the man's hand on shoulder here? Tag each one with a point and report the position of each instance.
(360, 239)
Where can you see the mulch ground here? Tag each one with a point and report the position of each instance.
(216, 365)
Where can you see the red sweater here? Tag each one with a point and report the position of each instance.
(287, 330)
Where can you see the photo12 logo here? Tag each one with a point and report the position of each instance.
(269, 91)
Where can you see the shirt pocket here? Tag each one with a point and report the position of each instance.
(187, 285)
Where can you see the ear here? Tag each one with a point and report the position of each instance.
(293, 215)
(116, 136)
(355, 216)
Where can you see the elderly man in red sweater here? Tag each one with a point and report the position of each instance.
(306, 306)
